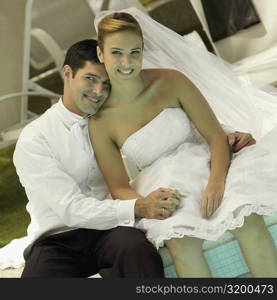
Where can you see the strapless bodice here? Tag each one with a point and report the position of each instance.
(170, 128)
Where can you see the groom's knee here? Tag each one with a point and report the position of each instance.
(130, 238)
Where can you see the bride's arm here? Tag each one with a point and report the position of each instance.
(200, 113)
(110, 161)
(158, 204)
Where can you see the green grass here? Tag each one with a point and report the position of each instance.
(14, 218)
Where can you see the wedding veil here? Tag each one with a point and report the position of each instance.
(233, 98)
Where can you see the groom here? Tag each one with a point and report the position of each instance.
(75, 229)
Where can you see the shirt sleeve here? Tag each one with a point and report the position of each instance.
(227, 129)
(45, 179)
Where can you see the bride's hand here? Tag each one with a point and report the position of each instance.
(212, 198)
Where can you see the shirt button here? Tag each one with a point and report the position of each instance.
(127, 222)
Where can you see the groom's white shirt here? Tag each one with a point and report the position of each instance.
(56, 165)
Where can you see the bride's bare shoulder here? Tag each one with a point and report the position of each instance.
(99, 120)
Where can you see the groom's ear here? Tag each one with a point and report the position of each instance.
(99, 54)
(67, 72)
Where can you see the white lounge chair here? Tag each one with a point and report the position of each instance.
(252, 50)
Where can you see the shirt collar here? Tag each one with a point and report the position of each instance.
(69, 117)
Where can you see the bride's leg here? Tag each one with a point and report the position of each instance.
(188, 258)
(257, 247)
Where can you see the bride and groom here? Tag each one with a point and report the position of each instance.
(151, 116)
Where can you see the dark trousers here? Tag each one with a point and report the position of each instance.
(116, 253)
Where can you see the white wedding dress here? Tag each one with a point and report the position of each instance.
(172, 154)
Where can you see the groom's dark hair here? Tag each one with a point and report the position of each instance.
(80, 52)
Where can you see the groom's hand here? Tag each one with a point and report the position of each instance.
(159, 204)
(238, 140)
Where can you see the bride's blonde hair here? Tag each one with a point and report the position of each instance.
(117, 22)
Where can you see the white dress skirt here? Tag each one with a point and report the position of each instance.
(172, 154)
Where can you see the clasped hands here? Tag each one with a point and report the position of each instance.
(160, 204)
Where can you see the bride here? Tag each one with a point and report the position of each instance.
(166, 121)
